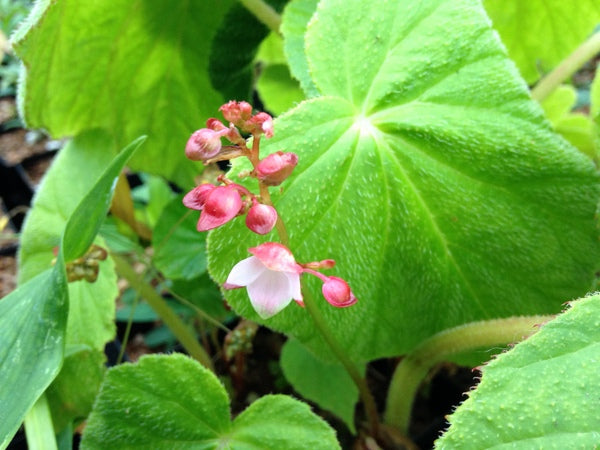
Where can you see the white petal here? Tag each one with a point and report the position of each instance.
(270, 293)
(295, 290)
(245, 272)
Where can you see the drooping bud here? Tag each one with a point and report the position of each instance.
(261, 218)
(261, 123)
(203, 144)
(316, 265)
(337, 292)
(221, 205)
(276, 167)
(196, 198)
(236, 112)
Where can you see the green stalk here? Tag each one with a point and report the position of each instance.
(411, 371)
(39, 430)
(264, 13)
(567, 67)
(158, 304)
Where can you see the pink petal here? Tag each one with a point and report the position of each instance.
(222, 204)
(196, 198)
(270, 293)
(276, 257)
(295, 289)
(244, 273)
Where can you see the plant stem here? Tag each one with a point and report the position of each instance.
(158, 304)
(264, 13)
(338, 351)
(567, 67)
(411, 371)
(39, 430)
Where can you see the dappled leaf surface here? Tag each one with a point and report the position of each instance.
(541, 394)
(429, 175)
(540, 33)
(130, 67)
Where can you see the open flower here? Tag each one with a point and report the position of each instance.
(271, 276)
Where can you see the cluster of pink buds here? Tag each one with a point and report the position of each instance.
(271, 275)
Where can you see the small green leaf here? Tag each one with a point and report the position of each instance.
(540, 33)
(577, 128)
(179, 250)
(543, 393)
(326, 384)
(34, 317)
(129, 67)
(294, 22)
(281, 422)
(166, 402)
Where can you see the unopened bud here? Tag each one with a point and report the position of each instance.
(276, 167)
(196, 198)
(261, 218)
(203, 144)
(222, 204)
(337, 292)
(261, 123)
(236, 112)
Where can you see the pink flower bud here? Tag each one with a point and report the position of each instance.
(236, 112)
(261, 123)
(221, 205)
(276, 167)
(215, 124)
(337, 292)
(196, 198)
(261, 218)
(203, 144)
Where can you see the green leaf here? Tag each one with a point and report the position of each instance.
(129, 67)
(294, 22)
(540, 33)
(577, 128)
(71, 395)
(429, 175)
(235, 45)
(541, 394)
(179, 250)
(34, 317)
(326, 384)
(173, 402)
(278, 91)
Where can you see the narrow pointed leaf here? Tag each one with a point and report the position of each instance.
(430, 176)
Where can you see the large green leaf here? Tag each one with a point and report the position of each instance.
(173, 402)
(429, 175)
(541, 394)
(33, 319)
(540, 33)
(130, 67)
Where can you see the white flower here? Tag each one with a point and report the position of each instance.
(271, 276)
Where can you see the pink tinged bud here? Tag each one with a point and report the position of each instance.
(271, 277)
(215, 124)
(196, 198)
(221, 205)
(275, 168)
(236, 112)
(261, 123)
(261, 218)
(325, 264)
(204, 144)
(337, 292)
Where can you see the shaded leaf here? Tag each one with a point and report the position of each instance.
(540, 33)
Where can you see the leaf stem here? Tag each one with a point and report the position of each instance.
(413, 368)
(39, 430)
(264, 13)
(567, 67)
(158, 304)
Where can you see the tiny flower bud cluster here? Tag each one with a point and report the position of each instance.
(271, 276)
